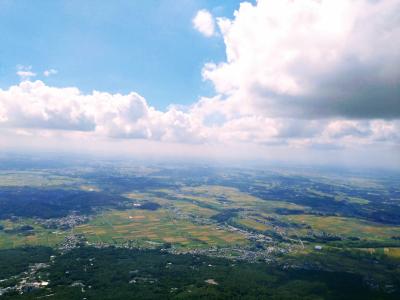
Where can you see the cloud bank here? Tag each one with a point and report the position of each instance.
(35, 106)
(298, 74)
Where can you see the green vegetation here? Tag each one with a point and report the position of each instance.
(347, 227)
(275, 234)
(35, 179)
(155, 226)
(112, 273)
(15, 261)
(12, 237)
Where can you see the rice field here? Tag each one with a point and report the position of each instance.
(346, 226)
(253, 224)
(156, 226)
(41, 236)
(221, 197)
(34, 179)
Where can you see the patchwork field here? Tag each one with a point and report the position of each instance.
(252, 224)
(155, 226)
(349, 227)
(34, 179)
(39, 237)
(222, 197)
(249, 216)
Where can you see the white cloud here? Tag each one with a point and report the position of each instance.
(36, 106)
(50, 72)
(298, 75)
(25, 72)
(314, 59)
(204, 23)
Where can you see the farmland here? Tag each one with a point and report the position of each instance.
(285, 220)
(155, 227)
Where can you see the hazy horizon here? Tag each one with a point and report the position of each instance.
(297, 82)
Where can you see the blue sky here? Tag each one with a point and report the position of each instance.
(117, 46)
(282, 79)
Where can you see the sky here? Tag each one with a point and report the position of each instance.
(302, 81)
(149, 47)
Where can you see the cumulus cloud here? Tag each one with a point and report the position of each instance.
(36, 106)
(313, 58)
(204, 23)
(298, 75)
